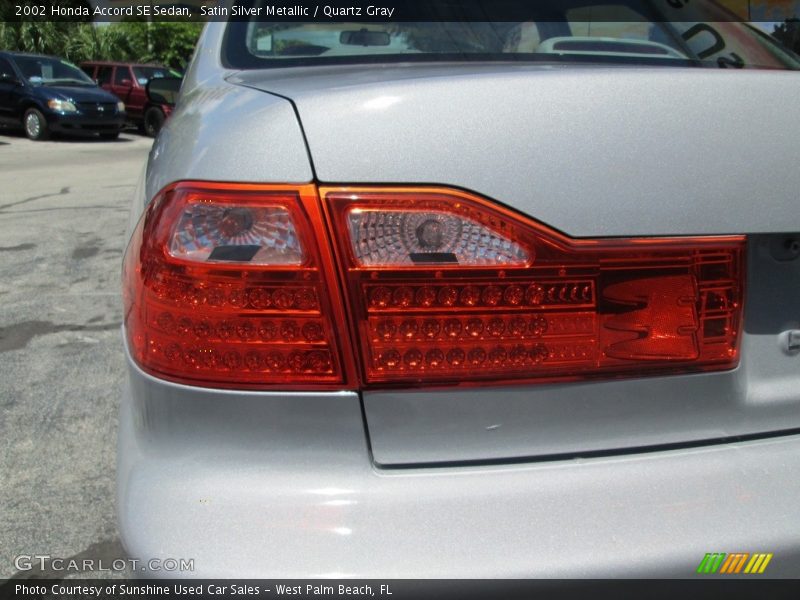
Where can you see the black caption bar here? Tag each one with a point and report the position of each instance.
(398, 589)
(396, 10)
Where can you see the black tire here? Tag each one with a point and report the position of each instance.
(109, 136)
(153, 121)
(35, 125)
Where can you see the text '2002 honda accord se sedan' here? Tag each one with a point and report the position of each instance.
(467, 299)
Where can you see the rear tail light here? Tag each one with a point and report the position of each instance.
(236, 286)
(446, 287)
(229, 286)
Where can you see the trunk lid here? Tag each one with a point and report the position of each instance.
(595, 152)
(591, 151)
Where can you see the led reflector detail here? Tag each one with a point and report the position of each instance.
(397, 237)
(231, 233)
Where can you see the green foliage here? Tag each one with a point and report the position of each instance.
(168, 43)
(42, 37)
(172, 43)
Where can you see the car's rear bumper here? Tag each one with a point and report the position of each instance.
(282, 485)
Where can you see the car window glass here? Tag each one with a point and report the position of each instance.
(121, 74)
(145, 74)
(6, 69)
(44, 70)
(621, 31)
(596, 21)
(89, 70)
(104, 75)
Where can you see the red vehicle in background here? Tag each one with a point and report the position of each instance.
(128, 81)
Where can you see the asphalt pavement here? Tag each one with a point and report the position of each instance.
(63, 216)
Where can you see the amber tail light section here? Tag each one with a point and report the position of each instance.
(228, 285)
(445, 287)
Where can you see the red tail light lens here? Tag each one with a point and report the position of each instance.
(237, 286)
(446, 287)
(226, 285)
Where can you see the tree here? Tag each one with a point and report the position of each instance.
(39, 35)
(91, 42)
(168, 43)
(173, 43)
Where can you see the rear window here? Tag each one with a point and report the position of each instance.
(146, 73)
(104, 75)
(565, 31)
(121, 74)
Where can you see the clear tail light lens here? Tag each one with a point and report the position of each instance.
(446, 287)
(401, 237)
(257, 235)
(227, 285)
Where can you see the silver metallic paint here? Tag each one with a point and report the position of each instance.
(281, 485)
(589, 151)
(208, 138)
(224, 132)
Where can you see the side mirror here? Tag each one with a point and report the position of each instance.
(164, 90)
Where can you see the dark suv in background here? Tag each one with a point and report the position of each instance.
(128, 82)
(46, 94)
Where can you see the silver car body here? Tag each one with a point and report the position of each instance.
(632, 477)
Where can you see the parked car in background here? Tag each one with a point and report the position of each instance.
(164, 90)
(46, 94)
(469, 299)
(128, 82)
